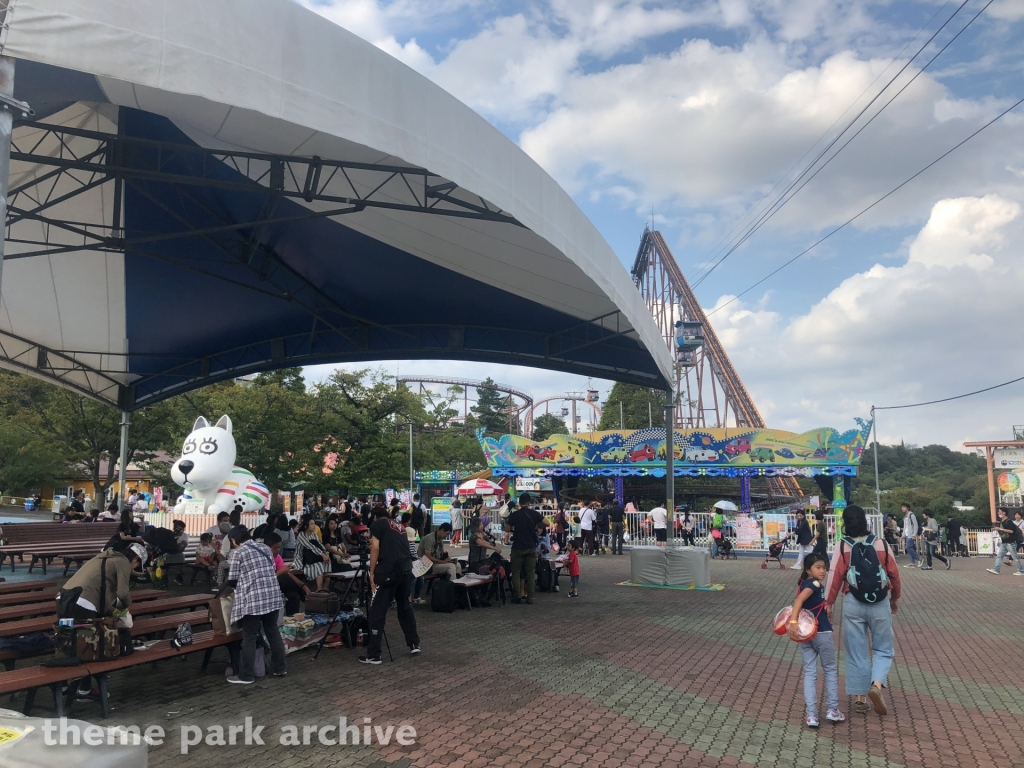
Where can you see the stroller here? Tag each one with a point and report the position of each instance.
(725, 548)
(775, 552)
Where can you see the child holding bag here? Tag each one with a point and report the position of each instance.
(811, 596)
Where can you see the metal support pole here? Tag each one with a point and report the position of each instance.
(622, 422)
(122, 464)
(650, 415)
(878, 488)
(573, 401)
(6, 126)
(670, 469)
(989, 466)
(412, 475)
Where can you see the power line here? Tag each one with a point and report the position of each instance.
(865, 210)
(946, 399)
(776, 205)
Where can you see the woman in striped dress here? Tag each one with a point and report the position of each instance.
(310, 554)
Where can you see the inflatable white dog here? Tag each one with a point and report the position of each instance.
(207, 471)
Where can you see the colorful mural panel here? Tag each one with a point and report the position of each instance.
(723, 452)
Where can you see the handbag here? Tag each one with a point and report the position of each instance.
(182, 636)
(220, 615)
(326, 603)
(93, 639)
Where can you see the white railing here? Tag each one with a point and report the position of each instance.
(641, 531)
(197, 524)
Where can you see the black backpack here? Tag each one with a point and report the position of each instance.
(866, 577)
(442, 595)
(544, 576)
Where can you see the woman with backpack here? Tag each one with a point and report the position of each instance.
(865, 571)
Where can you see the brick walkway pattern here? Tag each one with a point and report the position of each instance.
(626, 676)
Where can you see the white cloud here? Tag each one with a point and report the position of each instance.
(938, 325)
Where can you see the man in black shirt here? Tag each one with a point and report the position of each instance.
(390, 571)
(1011, 537)
(522, 525)
(617, 518)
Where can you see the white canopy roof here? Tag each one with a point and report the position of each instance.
(155, 272)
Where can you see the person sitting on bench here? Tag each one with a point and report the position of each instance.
(432, 545)
(293, 586)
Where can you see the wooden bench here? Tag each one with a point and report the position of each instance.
(38, 585)
(39, 607)
(21, 537)
(156, 625)
(31, 679)
(27, 597)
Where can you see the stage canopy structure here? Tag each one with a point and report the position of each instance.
(209, 189)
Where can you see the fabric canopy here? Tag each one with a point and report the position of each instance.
(209, 189)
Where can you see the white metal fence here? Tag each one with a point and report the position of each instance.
(641, 530)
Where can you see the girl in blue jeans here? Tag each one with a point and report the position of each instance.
(811, 595)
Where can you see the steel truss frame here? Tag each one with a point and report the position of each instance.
(711, 385)
(71, 161)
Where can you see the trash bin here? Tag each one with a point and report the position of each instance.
(30, 505)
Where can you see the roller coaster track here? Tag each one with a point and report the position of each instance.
(515, 410)
(708, 393)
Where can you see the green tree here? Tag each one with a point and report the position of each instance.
(638, 405)
(27, 462)
(86, 432)
(548, 424)
(286, 378)
(492, 410)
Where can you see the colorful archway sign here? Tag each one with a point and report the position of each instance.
(711, 452)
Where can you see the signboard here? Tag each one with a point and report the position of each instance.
(286, 502)
(441, 508)
(775, 527)
(748, 532)
(299, 501)
(535, 484)
(194, 507)
(988, 542)
(389, 494)
(158, 498)
(711, 450)
(1007, 458)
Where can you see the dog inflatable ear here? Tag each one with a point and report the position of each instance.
(224, 423)
(200, 423)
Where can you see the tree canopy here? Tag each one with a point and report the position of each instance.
(492, 411)
(640, 407)
(548, 424)
(347, 433)
(932, 476)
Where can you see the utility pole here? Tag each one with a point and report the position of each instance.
(670, 469)
(878, 490)
(122, 468)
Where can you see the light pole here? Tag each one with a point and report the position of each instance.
(622, 423)
(878, 490)
(412, 475)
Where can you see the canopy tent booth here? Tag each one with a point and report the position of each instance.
(292, 193)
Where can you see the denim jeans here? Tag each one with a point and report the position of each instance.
(911, 549)
(820, 647)
(1001, 553)
(867, 660)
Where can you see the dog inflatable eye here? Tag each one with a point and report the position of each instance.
(189, 447)
(208, 446)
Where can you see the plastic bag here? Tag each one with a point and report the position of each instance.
(807, 626)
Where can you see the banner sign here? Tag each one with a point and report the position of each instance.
(535, 484)
(988, 543)
(748, 532)
(708, 451)
(1008, 458)
(441, 507)
(299, 501)
(775, 527)
(194, 507)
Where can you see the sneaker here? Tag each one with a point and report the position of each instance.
(909, 565)
(179, 581)
(795, 568)
(370, 660)
(415, 649)
(529, 601)
(279, 674)
(949, 564)
(812, 721)
(1018, 573)
(835, 716)
(574, 594)
(926, 567)
(239, 681)
(418, 601)
(992, 570)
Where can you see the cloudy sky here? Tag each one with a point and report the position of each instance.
(699, 113)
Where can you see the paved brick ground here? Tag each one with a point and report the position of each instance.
(627, 677)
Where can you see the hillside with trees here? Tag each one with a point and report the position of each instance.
(932, 476)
